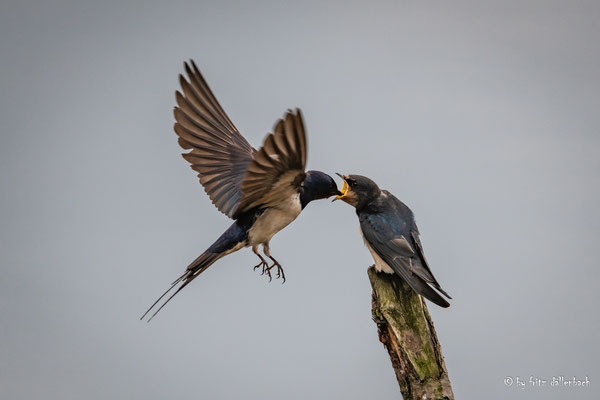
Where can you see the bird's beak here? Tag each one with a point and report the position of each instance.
(344, 189)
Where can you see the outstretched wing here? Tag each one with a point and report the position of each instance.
(277, 169)
(388, 238)
(219, 153)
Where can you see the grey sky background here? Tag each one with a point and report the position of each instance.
(481, 116)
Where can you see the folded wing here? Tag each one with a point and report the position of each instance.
(398, 251)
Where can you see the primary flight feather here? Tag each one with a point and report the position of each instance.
(262, 190)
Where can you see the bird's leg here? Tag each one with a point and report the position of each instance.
(280, 273)
(263, 263)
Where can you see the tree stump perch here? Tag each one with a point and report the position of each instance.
(407, 332)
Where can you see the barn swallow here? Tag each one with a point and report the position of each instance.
(390, 232)
(261, 190)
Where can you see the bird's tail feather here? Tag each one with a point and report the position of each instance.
(198, 266)
(439, 289)
(429, 293)
(420, 286)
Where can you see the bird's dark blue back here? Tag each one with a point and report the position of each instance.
(236, 233)
(389, 215)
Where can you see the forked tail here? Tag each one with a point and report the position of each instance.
(199, 265)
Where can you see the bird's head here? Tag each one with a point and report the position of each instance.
(320, 185)
(358, 190)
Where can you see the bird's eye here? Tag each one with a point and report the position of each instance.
(353, 184)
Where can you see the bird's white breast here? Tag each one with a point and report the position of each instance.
(274, 219)
(380, 265)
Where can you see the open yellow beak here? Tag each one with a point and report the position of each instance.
(344, 192)
(344, 189)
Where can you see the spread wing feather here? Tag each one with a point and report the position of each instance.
(277, 169)
(219, 153)
(235, 176)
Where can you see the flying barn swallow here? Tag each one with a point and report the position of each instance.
(261, 190)
(390, 232)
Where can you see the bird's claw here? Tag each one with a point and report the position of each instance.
(264, 266)
(268, 272)
(266, 269)
(280, 273)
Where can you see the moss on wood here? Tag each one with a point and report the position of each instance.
(406, 330)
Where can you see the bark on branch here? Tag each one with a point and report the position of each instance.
(407, 332)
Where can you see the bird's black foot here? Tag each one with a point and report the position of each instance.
(264, 265)
(280, 273)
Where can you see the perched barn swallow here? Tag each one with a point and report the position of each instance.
(390, 232)
(262, 190)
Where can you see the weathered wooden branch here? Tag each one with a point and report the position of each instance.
(406, 330)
